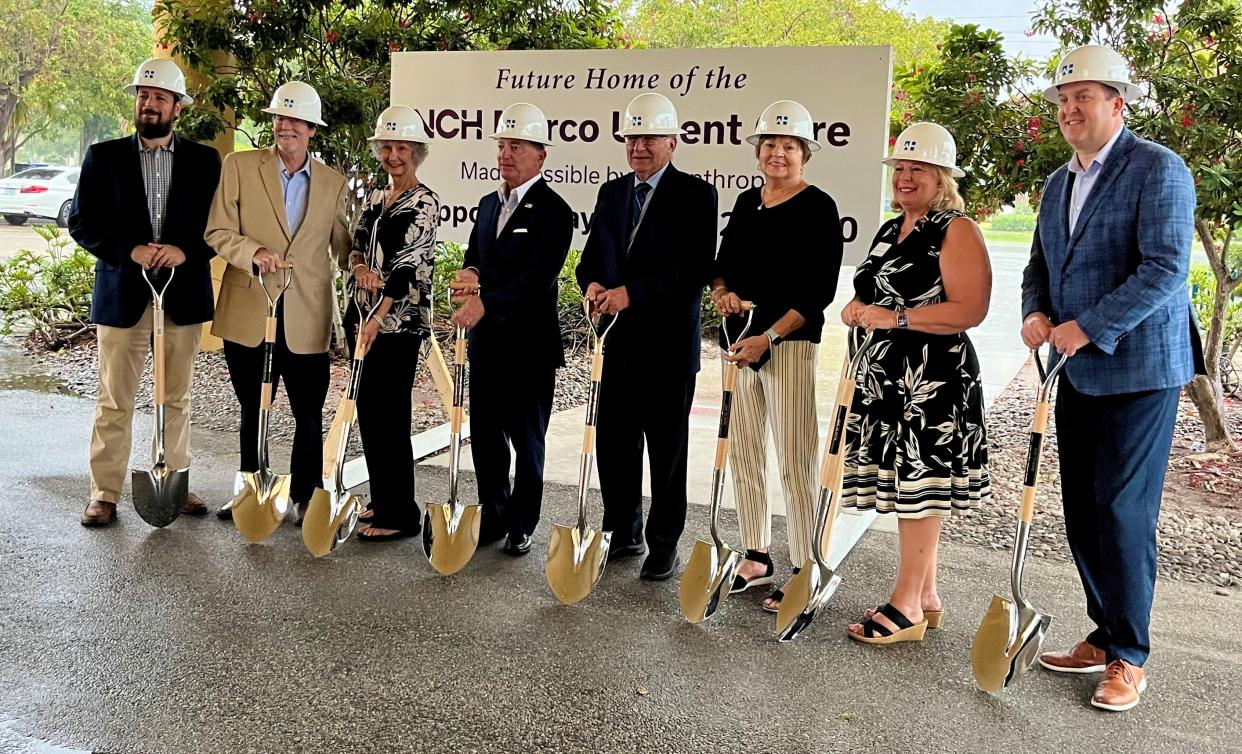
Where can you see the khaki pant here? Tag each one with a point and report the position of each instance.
(781, 395)
(122, 363)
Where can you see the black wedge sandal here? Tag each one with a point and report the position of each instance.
(777, 595)
(740, 584)
(877, 633)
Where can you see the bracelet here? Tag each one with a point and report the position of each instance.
(360, 264)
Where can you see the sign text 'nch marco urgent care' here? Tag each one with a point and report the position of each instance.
(718, 95)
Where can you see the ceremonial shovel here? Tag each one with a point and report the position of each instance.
(159, 494)
(1008, 641)
(815, 583)
(713, 565)
(577, 554)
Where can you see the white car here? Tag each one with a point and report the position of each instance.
(39, 193)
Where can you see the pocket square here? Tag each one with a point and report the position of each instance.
(528, 205)
(519, 230)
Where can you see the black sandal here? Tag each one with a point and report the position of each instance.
(878, 633)
(777, 595)
(740, 584)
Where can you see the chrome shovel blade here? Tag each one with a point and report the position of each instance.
(160, 494)
(330, 520)
(451, 535)
(809, 591)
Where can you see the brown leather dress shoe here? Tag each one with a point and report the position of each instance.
(1120, 690)
(194, 506)
(98, 513)
(1081, 658)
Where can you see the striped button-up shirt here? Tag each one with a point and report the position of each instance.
(157, 167)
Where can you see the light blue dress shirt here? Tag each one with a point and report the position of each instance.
(1084, 179)
(297, 189)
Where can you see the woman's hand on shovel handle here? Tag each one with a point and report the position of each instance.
(1036, 329)
(470, 313)
(368, 333)
(727, 303)
(748, 350)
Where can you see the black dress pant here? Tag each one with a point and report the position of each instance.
(638, 407)
(384, 410)
(510, 407)
(306, 378)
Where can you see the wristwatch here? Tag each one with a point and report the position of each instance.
(902, 320)
(773, 338)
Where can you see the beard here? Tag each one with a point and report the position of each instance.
(157, 129)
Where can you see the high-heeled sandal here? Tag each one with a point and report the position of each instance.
(740, 584)
(777, 595)
(934, 617)
(877, 633)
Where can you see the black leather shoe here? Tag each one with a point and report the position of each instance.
(617, 551)
(226, 512)
(517, 546)
(660, 566)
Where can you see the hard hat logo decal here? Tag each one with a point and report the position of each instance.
(148, 74)
(908, 145)
(391, 126)
(1067, 69)
(636, 120)
(510, 123)
(782, 120)
(288, 101)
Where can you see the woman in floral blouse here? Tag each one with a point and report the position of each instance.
(915, 439)
(393, 257)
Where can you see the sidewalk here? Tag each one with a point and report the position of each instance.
(186, 640)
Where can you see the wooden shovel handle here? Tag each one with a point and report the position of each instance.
(157, 355)
(1039, 427)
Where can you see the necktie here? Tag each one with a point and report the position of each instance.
(640, 197)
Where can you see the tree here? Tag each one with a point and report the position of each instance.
(1189, 61)
(246, 48)
(64, 63)
(780, 23)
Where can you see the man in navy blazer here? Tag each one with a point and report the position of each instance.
(141, 204)
(646, 262)
(512, 264)
(1106, 287)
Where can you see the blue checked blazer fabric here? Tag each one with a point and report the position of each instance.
(1122, 273)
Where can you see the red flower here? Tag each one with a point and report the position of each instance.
(1188, 121)
(892, 141)
(332, 37)
(1019, 146)
(394, 46)
(1020, 162)
(405, 23)
(1033, 122)
(1157, 19)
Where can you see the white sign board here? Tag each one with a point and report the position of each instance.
(719, 93)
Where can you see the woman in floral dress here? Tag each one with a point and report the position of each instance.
(915, 441)
(392, 260)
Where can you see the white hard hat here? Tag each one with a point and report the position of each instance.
(523, 121)
(1094, 63)
(926, 142)
(162, 74)
(400, 123)
(650, 114)
(786, 118)
(297, 99)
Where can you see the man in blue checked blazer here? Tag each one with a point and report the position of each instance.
(517, 248)
(1106, 287)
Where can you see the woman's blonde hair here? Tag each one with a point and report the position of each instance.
(947, 197)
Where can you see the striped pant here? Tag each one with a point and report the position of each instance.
(781, 395)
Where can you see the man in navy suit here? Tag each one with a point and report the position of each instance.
(1106, 287)
(646, 262)
(141, 204)
(517, 248)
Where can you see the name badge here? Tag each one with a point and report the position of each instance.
(880, 248)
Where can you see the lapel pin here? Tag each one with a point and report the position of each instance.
(528, 205)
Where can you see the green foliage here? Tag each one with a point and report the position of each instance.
(1202, 297)
(781, 23)
(48, 291)
(64, 63)
(1021, 221)
(343, 48)
(1007, 139)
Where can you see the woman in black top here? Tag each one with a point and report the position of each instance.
(782, 251)
(393, 257)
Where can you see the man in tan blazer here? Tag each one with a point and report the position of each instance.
(274, 209)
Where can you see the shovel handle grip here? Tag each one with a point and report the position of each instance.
(1039, 426)
(157, 355)
(269, 330)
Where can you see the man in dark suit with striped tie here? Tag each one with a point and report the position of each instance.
(647, 260)
(517, 248)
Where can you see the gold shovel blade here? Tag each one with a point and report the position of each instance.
(451, 535)
(707, 580)
(261, 507)
(576, 561)
(793, 615)
(989, 652)
(329, 521)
